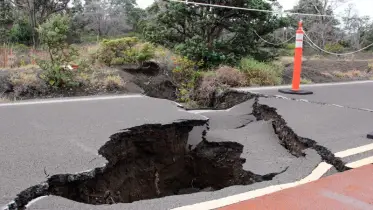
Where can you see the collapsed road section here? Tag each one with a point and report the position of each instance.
(157, 160)
(150, 161)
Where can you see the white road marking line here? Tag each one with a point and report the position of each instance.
(247, 89)
(354, 151)
(316, 174)
(348, 200)
(35, 200)
(208, 110)
(362, 162)
(65, 100)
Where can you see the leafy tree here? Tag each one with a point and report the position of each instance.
(53, 33)
(77, 22)
(105, 18)
(213, 35)
(358, 29)
(322, 29)
(132, 12)
(21, 32)
(77, 7)
(6, 20)
(38, 11)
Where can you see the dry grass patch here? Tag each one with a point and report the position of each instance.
(348, 74)
(306, 81)
(24, 78)
(260, 73)
(353, 73)
(230, 76)
(209, 86)
(327, 74)
(3, 100)
(113, 82)
(27, 84)
(338, 74)
(28, 67)
(105, 79)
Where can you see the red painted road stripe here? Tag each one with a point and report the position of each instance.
(349, 190)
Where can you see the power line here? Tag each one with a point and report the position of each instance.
(250, 9)
(275, 44)
(331, 53)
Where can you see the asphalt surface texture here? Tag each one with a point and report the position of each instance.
(43, 139)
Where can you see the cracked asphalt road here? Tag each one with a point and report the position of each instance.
(45, 139)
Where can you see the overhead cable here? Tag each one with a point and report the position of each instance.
(250, 9)
(271, 43)
(332, 53)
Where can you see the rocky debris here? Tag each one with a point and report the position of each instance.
(151, 161)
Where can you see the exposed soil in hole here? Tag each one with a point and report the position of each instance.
(227, 100)
(151, 161)
(290, 140)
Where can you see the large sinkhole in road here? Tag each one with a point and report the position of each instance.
(153, 161)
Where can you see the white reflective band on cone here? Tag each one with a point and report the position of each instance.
(299, 44)
(299, 36)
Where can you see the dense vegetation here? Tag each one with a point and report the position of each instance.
(203, 50)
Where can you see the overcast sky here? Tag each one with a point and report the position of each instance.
(364, 7)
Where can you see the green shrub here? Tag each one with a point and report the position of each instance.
(185, 75)
(305, 81)
(290, 46)
(56, 75)
(21, 32)
(334, 47)
(370, 67)
(125, 50)
(163, 57)
(21, 49)
(288, 50)
(260, 73)
(53, 34)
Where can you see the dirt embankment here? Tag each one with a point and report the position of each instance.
(147, 79)
(324, 71)
(152, 80)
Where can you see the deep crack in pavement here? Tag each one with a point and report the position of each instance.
(290, 140)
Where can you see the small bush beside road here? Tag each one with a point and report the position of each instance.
(260, 73)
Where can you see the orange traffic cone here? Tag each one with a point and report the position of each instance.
(297, 65)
